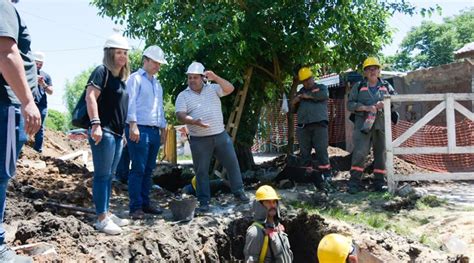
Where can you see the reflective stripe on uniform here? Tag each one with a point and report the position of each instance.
(380, 171)
(263, 251)
(357, 168)
(327, 166)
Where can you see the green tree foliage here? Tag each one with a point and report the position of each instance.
(272, 37)
(135, 59)
(56, 121)
(432, 44)
(75, 88)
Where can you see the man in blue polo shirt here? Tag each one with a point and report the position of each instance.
(145, 131)
(45, 86)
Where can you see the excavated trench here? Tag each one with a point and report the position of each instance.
(33, 216)
(215, 238)
(304, 232)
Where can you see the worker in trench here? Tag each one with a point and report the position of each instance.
(311, 106)
(266, 240)
(366, 104)
(336, 248)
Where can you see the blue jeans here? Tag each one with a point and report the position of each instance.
(7, 170)
(105, 157)
(143, 156)
(123, 168)
(221, 146)
(39, 136)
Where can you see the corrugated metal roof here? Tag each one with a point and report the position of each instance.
(466, 48)
(329, 80)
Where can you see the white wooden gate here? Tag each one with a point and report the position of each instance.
(448, 102)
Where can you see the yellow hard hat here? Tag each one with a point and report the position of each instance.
(371, 61)
(193, 183)
(304, 73)
(334, 248)
(266, 192)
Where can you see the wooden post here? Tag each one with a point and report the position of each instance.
(170, 146)
(392, 185)
(450, 122)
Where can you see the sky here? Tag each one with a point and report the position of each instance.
(72, 35)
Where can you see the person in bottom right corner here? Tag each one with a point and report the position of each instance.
(366, 104)
(336, 248)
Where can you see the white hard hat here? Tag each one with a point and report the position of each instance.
(38, 56)
(116, 41)
(195, 68)
(155, 53)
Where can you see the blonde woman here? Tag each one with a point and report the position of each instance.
(107, 102)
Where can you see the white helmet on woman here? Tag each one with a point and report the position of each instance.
(117, 41)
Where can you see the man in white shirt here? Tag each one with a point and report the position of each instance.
(199, 107)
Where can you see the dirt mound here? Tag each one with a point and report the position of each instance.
(55, 144)
(340, 161)
(50, 201)
(61, 181)
(66, 233)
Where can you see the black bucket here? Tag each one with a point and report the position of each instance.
(183, 210)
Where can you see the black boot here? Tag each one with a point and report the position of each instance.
(379, 186)
(354, 187)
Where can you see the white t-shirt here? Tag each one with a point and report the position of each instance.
(205, 106)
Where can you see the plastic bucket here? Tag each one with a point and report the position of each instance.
(183, 210)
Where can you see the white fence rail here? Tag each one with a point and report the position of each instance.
(448, 102)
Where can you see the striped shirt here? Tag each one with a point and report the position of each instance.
(145, 104)
(205, 106)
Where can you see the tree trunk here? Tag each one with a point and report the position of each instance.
(244, 154)
(290, 117)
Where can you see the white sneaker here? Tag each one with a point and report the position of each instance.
(108, 226)
(119, 221)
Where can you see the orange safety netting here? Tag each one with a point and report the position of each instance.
(275, 135)
(436, 136)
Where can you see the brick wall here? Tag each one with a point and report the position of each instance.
(450, 78)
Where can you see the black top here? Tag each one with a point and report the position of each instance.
(40, 94)
(113, 99)
(12, 26)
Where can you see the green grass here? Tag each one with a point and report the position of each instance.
(373, 217)
(400, 229)
(185, 157)
(429, 201)
(426, 240)
(424, 221)
(369, 218)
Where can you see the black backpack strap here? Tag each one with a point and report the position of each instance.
(106, 77)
